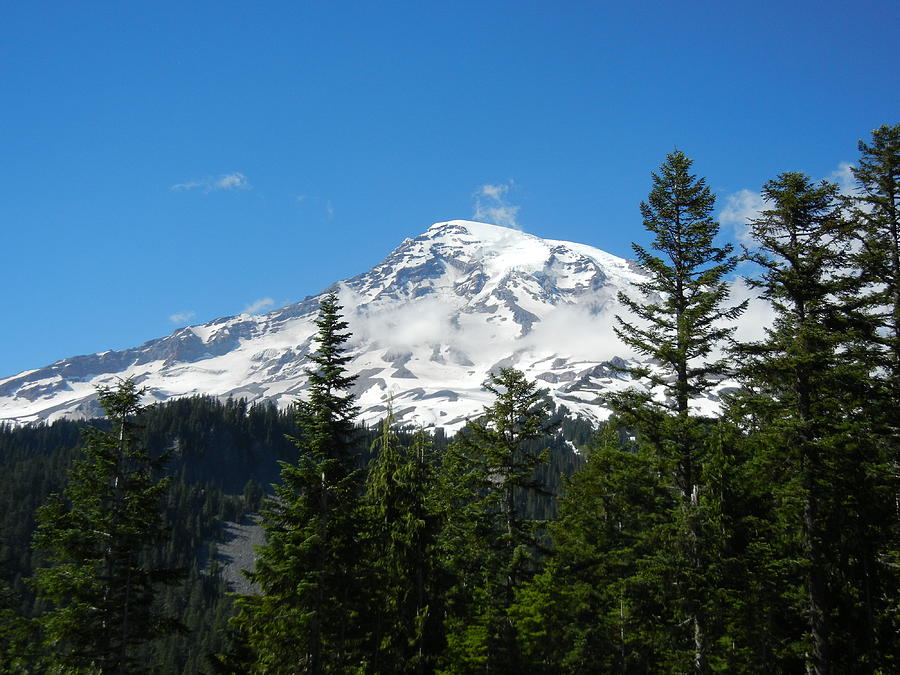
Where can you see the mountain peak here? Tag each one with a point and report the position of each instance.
(473, 232)
(474, 227)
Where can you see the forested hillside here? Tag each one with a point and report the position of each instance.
(763, 539)
(223, 458)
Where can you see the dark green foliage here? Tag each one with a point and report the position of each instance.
(19, 650)
(213, 446)
(35, 461)
(878, 214)
(797, 378)
(807, 396)
(581, 614)
(579, 431)
(309, 571)
(402, 510)
(683, 301)
(492, 546)
(737, 584)
(199, 431)
(679, 322)
(870, 467)
(94, 535)
(196, 513)
(204, 438)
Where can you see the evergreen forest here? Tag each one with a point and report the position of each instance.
(763, 540)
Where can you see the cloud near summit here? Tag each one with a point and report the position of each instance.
(491, 206)
(182, 317)
(258, 306)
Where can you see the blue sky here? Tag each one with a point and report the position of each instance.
(168, 163)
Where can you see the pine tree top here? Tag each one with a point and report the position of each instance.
(682, 314)
(327, 416)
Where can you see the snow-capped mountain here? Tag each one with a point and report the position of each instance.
(428, 324)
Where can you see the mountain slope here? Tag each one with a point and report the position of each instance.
(428, 324)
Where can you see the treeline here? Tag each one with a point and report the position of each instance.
(762, 540)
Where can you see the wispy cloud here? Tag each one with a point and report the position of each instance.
(227, 181)
(182, 317)
(740, 208)
(258, 306)
(745, 205)
(491, 205)
(429, 321)
(843, 176)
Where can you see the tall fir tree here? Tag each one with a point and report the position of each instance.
(492, 547)
(95, 535)
(680, 320)
(805, 400)
(307, 614)
(878, 214)
(875, 482)
(680, 316)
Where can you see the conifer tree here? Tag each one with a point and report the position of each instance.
(684, 299)
(804, 395)
(403, 522)
(680, 320)
(878, 213)
(873, 549)
(610, 597)
(94, 535)
(592, 610)
(492, 547)
(308, 571)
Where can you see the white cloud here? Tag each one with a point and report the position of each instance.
(189, 185)
(494, 191)
(231, 181)
(745, 205)
(424, 320)
(740, 208)
(258, 306)
(431, 321)
(228, 181)
(182, 317)
(586, 335)
(491, 206)
(843, 176)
